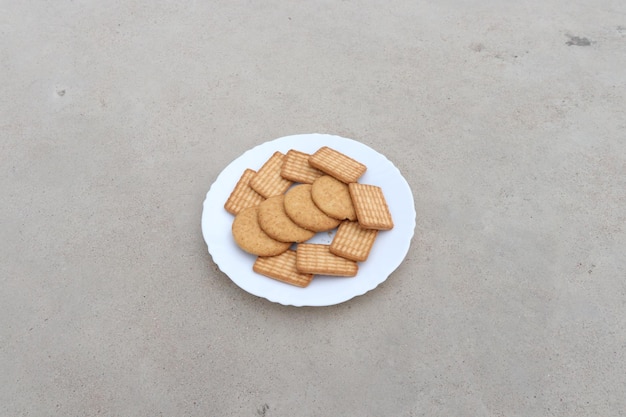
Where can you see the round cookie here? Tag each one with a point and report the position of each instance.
(300, 208)
(333, 198)
(276, 224)
(251, 238)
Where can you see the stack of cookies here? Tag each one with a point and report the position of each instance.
(296, 195)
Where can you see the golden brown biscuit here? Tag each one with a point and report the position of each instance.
(242, 195)
(251, 238)
(300, 208)
(316, 259)
(296, 168)
(353, 242)
(274, 221)
(336, 164)
(371, 207)
(268, 181)
(282, 268)
(333, 198)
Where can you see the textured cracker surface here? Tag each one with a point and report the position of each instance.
(300, 208)
(251, 238)
(337, 164)
(333, 198)
(352, 241)
(317, 259)
(268, 182)
(371, 206)
(296, 168)
(274, 221)
(282, 268)
(242, 195)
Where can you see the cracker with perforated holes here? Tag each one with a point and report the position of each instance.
(243, 196)
(371, 207)
(268, 182)
(337, 164)
(296, 168)
(282, 268)
(315, 258)
(353, 241)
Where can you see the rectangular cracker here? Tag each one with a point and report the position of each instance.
(353, 241)
(338, 165)
(313, 258)
(282, 268)
(371, 207)
(296, 168)
(268, 182)
(242, 195)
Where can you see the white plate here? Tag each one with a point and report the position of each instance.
(389, 249)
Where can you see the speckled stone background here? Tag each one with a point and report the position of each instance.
(508, 120)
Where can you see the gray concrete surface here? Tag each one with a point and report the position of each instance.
(508, 120)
